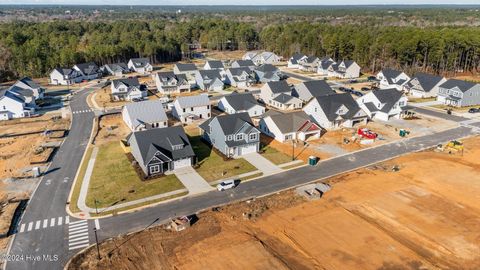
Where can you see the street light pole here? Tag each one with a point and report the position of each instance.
(293, 150)
(96, 209)
(96, 241)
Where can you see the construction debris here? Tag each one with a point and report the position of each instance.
(313, 191)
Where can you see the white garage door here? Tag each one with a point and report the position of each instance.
(182, 163)
(247, 149)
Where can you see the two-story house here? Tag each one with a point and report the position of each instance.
(241, 77)
(383, 104)
(346, 69)
(459, 93)
(310, 89)
(144, 115)
(210, 80)
(13, 106)
(189, 70)
(233, 135)
(214, 64)
(389, 78)
(424, 85)
(335, 111)
(268, 73)
(116, 69)
(243, 63)
(261, 57)
(140, 65)
(128, 89)
(191, 108)
(278, 94)
(324, 65)
(241, 102)
(168, 82)
(309, 63)
(89, 71)
(293, 62)
(65, 76)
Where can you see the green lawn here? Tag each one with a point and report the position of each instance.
(275, 156)
(212, 165)
(78, 184)
(115, 181)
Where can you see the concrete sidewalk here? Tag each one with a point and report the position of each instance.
(192, 180)
(263, 164)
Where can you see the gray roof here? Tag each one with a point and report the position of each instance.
(186, 67)
(267, 68)
(318, 88)
(150, 111)
(88, 68)
(390, 74)
(348, 63)
(24, 92)
(117, 67)
(244, 63)
(193, 101)
(294, 59)
(140, 62)
(241, 101)
(28, 81)
(210, 74)
(127, 81)
(331, 103)
(312, 58)
(462, 85)
(326, 63)
(215, 64)
(162, 140)
(239, 70)
(230, 123)
(279, 87)
(388, 97)
(9, 94)
(284, 98)
(426, 81)
(292, 122)
(169, 75)
(64, 71)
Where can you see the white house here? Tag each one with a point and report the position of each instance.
(140, 65)
(13, 106)
(424, 85)
(190, 108)
(324, 65)
(65, 76)
(293, 61)
(116, 69)
(335, 111)
(214, 64)
(243, 63)
(241, 102)
(168, 82)
(310, 89)
(289, 126)
(189, 70)
(241, 77)
(278, 94)
(144, 115)
(128, 89)
(309, 63)
(347, 69)
(89, 71)
(383, 104)
(261, 58)
(210, 80)
(389, 78)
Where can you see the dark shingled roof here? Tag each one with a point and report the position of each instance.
(245, 63)
(294, 59)
(266, 68)
(331, 103)
(151, 141)
(388, 97)
(186, 67)
(426, 81)
(291, 122)
(239, 70)
(140, 62)
(28, 81)
(7, 93)
(318, 88)
(127, 81)
(241, 101)
(279, 87)
(210, 74)
(462, 85)
(230, 123)
(88, 68)
(215, 64)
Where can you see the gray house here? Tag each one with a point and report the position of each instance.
(268, 73)
(209, 80)
(424, 85)
(167, 82)
(232, 134)
(241, 77)
(214, 64)
(310, 89)
(459, 93)
(161, 149)
(189, 70)
(243, 63)
(117, 69)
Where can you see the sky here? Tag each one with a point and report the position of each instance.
(241, 2)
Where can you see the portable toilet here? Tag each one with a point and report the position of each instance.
(36, 171)
(312, 160)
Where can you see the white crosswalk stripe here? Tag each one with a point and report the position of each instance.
(78, 234)
(43, 224)
(81, 111)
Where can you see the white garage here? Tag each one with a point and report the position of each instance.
(182, 163)
(247, 149)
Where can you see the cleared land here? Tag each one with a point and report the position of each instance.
(419, 217)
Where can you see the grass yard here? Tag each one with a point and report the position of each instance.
(419, 100)
(114, 180)
(275, 156)
(212, 165)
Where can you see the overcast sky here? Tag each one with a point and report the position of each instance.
(239, 2)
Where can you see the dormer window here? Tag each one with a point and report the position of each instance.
(253, 137)
(229, 137)
(239, 137)
(177, 147)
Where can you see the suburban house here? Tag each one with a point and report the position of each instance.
(279, 95)
(28, 90)
(13, 106)
(261, 58)
(89, 71)
(189, 70)
(232, 134)
(324, 64)
(190, 108)
(383, 104)
(140, 65)
(310, 89)
(424, 85)
(241, 77)
(293, 61)
(210, 80)
(161, 150)
(144, 115)
(290, 126)
(309, 63)
(128, 89)
(459, 93)
(243, 63)
(334, 111)
(241, 102)
(214, 64)
(117, 69)
(389, 78)
(167, 82)
(65, 76)
(347, 69)
(268, 73)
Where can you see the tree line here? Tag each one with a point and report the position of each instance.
(34, 49)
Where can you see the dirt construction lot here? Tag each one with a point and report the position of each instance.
(419, 217)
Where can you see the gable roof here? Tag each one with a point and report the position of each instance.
(140, 62)
(331, 103)
(88, 68)
(229, 123)
(169, 75)
(279, 87)
(20, 91)
(215, 64)
(348, 63)
(9, 94)
(241, 101)
(186, 67)
(267, 68)
(239, 70)
(64, 71)
(193, 101)
(388, 97)
(143, 112)
(326, 63)
(291, 122)
(162, 140)
(426, 81)
(310, 59)
(284, 98)
(29, 82)
(462, 85)
(294, 59)
(318, 88)
(117, 67)
(210, 74)
(126, 81)
(244, 63)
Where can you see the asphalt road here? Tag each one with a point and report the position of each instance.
(49, 200)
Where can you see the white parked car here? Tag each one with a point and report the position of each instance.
(228, 184)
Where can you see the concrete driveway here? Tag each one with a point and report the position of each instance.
(263, 164)
(192, 180)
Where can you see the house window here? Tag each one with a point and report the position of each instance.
(208, 106)
(239, 137)
(154, 169)
(229, 137)
(183, 109)
(191, 109)
(253, 137)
